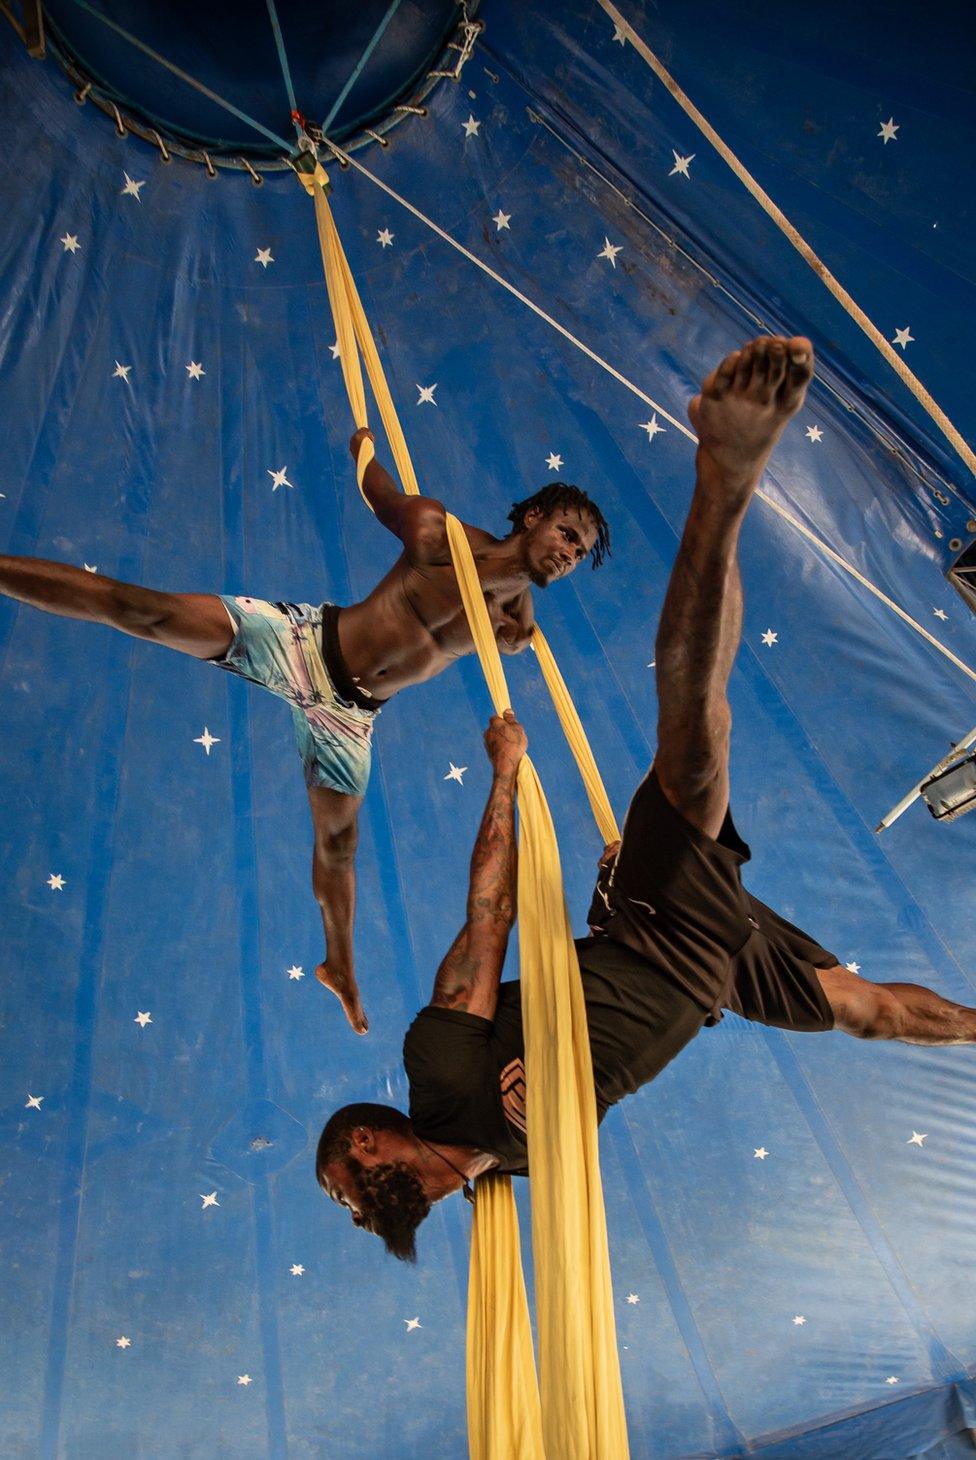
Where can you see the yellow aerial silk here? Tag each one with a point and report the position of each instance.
(576, 1411)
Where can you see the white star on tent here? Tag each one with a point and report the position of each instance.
(915, 1139)
(131, 188)
(426, 395)
(70, 242)
(264, 257)
(769, 638)
(90, 567)
(891, 1379)
(610, 251)
(653, 664)
(940, 613)
(455, 773)
(799, 1320)
(142, 1019)
(888, 130)
(412, 1323)
(335, 350)
(279, 478)
(632, 1298)
(297, 1270)
(385, 238)
(501, 220)
(853, 967)
(207, 740)
(296, 972)
(681, 164)
(209, 1201)
(554, 462)
(652, 427)
(471, 126)
(760, 1153)
(121, 372)
(195, 370)
(619, 35)
(123, 1342)
(814, 433)
(33, 1102)
(244, 1379)
(903, 337)
(56, 882)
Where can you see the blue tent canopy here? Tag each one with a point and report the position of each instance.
(792, 1217)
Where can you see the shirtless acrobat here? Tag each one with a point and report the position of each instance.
(338, 666)
(675, 937)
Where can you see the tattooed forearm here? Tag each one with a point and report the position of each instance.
(494, 863)
(468, 978)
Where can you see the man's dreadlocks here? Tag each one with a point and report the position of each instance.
(560, 494)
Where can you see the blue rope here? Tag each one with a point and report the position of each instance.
(287, 147)
(283, 59)
(359, 67)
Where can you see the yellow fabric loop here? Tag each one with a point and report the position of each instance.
(577, 1411)
(352, 328)
(569, 718)
(506, 1419)
(579, 1374)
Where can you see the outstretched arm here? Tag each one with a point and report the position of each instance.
(469, 976)
(417, 521)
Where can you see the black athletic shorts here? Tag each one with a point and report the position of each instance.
(675, 896)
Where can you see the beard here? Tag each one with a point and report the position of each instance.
(392, 1204)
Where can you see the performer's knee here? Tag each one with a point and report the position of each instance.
(867, 1010)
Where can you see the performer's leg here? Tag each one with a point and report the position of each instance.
(903, 1011)
(336, 821)
(193, 623)
(739, 416)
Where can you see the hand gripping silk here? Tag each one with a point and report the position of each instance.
(576, 1410)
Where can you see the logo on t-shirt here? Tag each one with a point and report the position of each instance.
(512, 1081)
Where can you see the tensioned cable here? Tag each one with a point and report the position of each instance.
(655, 406)
(282, 55)
(918, 390)
(358, 68)
(889, 440)
(185, 76)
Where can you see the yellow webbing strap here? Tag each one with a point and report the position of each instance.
(579, 1373)
(581, 1413)
(596, 791)
(504, 1415)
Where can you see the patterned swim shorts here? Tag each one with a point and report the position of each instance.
(279, 646)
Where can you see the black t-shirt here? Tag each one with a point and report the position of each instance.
(467, 1076)
(467, 1079)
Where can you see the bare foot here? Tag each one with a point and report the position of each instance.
(743, 407)
(344, 986)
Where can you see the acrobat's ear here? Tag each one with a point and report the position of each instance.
(363, 1139)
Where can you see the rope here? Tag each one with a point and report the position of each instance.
(925, 400)
(185, 76)
(578, 1410)
(282, 55)
(358, 68)
(679, 425)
